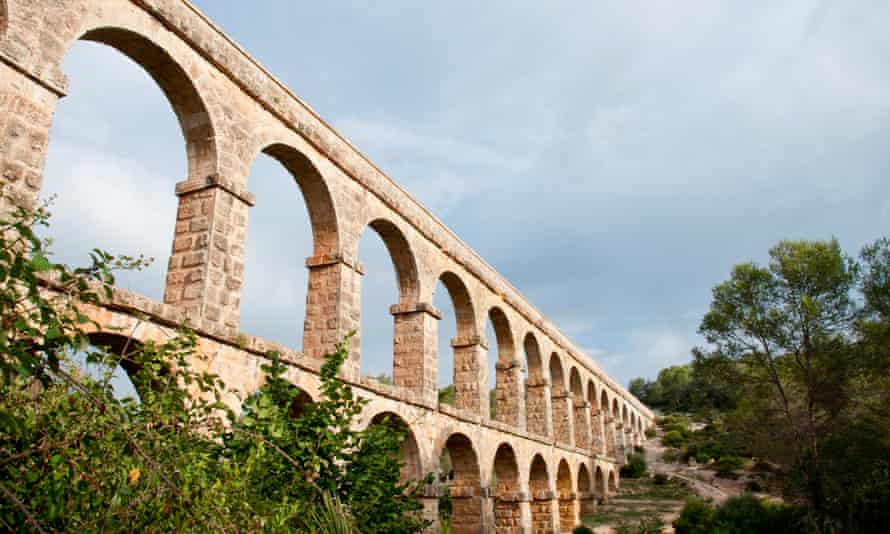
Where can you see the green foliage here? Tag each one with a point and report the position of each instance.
(670, 456)
(650, 433)
(660, 479)
(738, 515)
(697, 517)
(673, 439)
(635, 466)
(646, 525)
(447, 394)
(727, 465)
(582, 530)
(801, 344)
(74, 458)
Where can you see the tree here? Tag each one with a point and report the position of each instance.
(789, 335)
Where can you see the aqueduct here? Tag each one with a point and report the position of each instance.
(562, 425)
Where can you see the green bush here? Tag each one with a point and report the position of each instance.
(650, 433)
(673, 439)
(76, 458)
(750, 514)
(582, 530)
(670, 456)
(660, 479)
(676, 427)
(635, 466)
(727, 465)
(697, 517)
(646, 525)
(739, 515)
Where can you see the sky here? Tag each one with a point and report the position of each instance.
(613, 160)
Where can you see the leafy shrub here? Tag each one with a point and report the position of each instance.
(753, 486)
(650, 433)
(697, 517)
(638, 449)
(646, 525)
(635, 467)
(670, 456)
(727, 465)
(750, 514)
(660, 479)
(739, 515)
(681, 429)
(673, 439)
(582, 530)
(75, 458)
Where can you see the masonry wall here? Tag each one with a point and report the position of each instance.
(230, 110)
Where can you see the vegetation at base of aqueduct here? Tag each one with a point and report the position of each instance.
(797, 374)
(75, 458)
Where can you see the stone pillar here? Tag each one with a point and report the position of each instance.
(27, 102)
(544, 512)
(508, 513)
(599, 424)
(562, 420)
(538, 419)
(582, 431)
(470, 393)
(525, 513)
(430, 501)
(333, 309)
(414, 350)
(466, 507)
(509, 396)
(586, 504)
(619, 442)
(609, 436)
(206, 267)
(568, 513)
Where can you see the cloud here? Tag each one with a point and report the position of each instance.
(113, 203)
(612, 160)
(651, 349)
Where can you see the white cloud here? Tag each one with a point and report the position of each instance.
(108, 202)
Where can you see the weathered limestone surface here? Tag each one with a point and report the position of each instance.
(230, 110)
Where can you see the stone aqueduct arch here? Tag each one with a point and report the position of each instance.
(562, 424)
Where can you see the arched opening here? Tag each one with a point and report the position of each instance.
(459, 353)
(539, 486)
(599, 485)
(382, 251)
(536, 389)
(98, 164)
(613, 483)
(506, 375)
(566, 497)
(559, 402)
(409, 453)
(586, 497)
(274, 294)
(462, 486)
(111, 358)
(506, 490)
(579, 407)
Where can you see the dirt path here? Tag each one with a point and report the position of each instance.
(642, 498)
